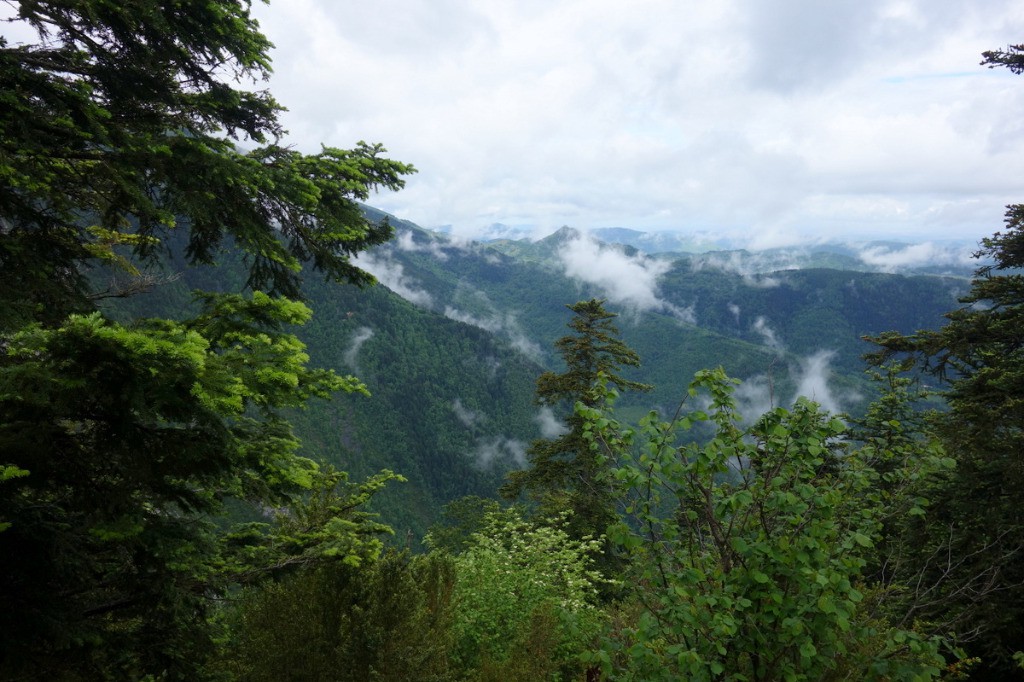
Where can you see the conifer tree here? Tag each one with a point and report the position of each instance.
(565, 472)
(120, 444)
(976, 522)
(972, 545)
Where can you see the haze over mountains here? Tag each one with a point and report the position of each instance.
(451, 342)
(786, 322)
(766, 299)
(954, 257)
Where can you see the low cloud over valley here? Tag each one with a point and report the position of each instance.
(627, 280)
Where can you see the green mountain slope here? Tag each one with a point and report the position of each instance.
(811, 309)
(783, 330)
(451, 405)
(451, 358)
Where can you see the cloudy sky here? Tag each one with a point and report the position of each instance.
(772, 120)
(768, 121)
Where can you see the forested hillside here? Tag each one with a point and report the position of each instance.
(450, 406)
(451, 367)
(602, 465)
(681, 312)
(451, 370)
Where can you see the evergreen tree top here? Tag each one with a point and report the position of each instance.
(593, 350)
(120, 123)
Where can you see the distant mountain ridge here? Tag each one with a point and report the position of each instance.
(754, 312)
(951, 258)
(451, 342)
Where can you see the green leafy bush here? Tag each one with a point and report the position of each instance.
(384, 620)
(748, 548)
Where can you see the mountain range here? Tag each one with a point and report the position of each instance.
(451, 341)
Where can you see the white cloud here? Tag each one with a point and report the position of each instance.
(362, 335)
(812, 381)
(893, 259)
(767, 121)
(467, 417)
(504, 325)
(550, 425)
(627, 280)
(763, 281)
(392, 275)
(752, 267)
(686, 314)
(405, 241)
(754, 396)
(492, 364)
(499, 450)
(771, 339)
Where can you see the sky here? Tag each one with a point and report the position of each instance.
(771, 121)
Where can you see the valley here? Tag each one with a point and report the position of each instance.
(451, 340)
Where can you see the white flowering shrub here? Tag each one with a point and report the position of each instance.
(525, 590)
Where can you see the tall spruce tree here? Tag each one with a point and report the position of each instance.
(971, 548)
(120, 444)
(124, 120)
(565, 473)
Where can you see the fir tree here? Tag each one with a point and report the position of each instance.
(971, 548)
(565, 472)
(120, 444)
